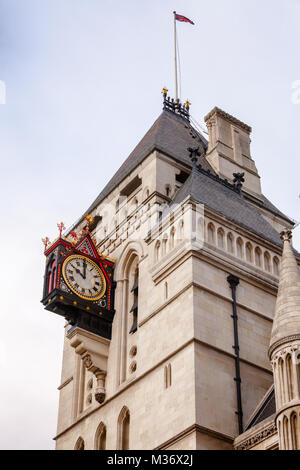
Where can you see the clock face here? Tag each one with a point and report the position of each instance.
(84, 277)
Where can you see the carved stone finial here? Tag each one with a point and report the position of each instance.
(194, 154)
(286, 235)
(238, 181)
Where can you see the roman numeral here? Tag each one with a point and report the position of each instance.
(72, 279)
(95, 289)
(82, 290)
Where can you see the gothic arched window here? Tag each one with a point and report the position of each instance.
(123, 429)
(211, 233)
(275, 266)
(249, 252)
(258, 257)
(230, 242)
(134, 278)
(239, 248)
(51, 275)
(221, 235)
(79, 444)
(267, 262)
(100, 438)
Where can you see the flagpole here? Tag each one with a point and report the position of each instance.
(175, 49)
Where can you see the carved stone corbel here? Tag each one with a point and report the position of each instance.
(93, 350)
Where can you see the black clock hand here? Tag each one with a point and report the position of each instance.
(78, 272)
(84, 269)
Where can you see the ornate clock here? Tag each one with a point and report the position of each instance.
(84, 277)
(79, 283)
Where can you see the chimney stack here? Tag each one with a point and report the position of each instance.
(229, 149)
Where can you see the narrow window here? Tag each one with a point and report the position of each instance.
(211, 233)
(275, 266)
(123, 429)
(100, 438)
(230, 243)
(267, 262)
(258, 257)
(79, 444)
(249, 252)
(134, 308)
(239, 248)
(221, 238)
(157, 250)
(172, 238)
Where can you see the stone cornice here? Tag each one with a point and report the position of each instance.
(190, 430)
(228, 117)
(282, 341)
(256, 435)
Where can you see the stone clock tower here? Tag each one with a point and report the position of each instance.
(168, 348)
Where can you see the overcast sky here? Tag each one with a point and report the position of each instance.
(83, 85)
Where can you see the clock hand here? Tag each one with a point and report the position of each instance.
(84, 269)
(78, 272)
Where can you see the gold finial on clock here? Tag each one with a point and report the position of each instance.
(46, 242)
(61, 227)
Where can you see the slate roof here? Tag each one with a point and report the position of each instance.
(226, 201)
(265, 409)
(171, 135)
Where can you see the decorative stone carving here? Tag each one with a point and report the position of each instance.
(260, 435)
(93, 350)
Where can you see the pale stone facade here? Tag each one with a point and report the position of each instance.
(171, 384)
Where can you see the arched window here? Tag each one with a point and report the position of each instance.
(164, 245)
(249, 252)
(230, 243)
(50, 276)
(157, 250)
(258, 257)
(267, 262)
(211, 233)
(239, 248)
(172, 238)
(221, 235)
(135, 294)
(275, 266)
(295, 432)
(124, 429)
(181, 231)
(290, 378)
(285, 426)
(79, 444)
(100, 437)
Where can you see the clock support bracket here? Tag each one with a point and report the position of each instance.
(93, 350)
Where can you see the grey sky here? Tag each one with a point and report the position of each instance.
(83, 83)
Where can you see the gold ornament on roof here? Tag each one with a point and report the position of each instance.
(61, 227)
(46, 242)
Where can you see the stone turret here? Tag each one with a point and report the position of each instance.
(284, 349)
